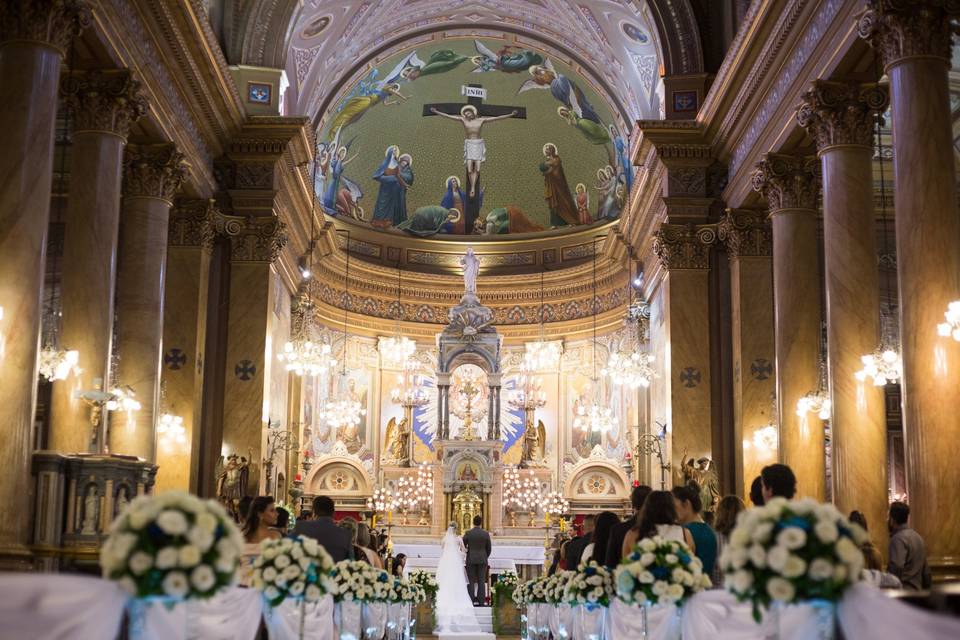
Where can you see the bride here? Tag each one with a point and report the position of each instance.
(454, 607)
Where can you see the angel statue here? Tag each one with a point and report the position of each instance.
(703, 473)
(534, 442)
(398, 441)
(233, 477)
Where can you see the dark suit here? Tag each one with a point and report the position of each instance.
(575, 549)
(477, 542)
(615, 545)
(324, 530)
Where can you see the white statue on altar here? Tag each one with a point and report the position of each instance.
(471, 268)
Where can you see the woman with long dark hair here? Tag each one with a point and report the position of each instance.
(261, 517)
(689, 514)
(657, 518)
(597, 549)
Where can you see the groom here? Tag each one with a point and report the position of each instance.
(477, 542)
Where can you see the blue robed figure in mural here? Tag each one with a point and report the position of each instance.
(395, 176)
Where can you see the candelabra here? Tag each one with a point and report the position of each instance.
(409, 391)
(527, 396)
(650, 444)
(521, 493)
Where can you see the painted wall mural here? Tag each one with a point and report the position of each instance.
(472, 136)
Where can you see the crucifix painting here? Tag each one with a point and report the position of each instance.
(473, 115)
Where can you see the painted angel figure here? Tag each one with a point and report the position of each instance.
(508, 60)
(545, 76)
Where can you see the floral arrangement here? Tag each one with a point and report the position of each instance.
(172, 546)
(508, 580)
(792, 551)
(296, 568)
(519, 595)
(533, 592)
(659, 571)
(406, 591)
(355, 580)
(555, 586)
(426, 581)
(590, 584)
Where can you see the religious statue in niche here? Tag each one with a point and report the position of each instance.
(534, 444)
(91, 510)
(233, 478)
(122, 500)
(702, 472)
(398, 441)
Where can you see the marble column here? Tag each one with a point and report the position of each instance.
(913, 39)
(748, 239)
(34, 34)
(789, 184)
(152, 175)
(255, 245)
(189, 242)
(683, 301)
(103, 105)
(839, 117)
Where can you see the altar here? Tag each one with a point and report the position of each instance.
(502, 558)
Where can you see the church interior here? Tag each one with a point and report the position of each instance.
(435, 260)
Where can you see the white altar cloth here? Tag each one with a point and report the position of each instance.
(502, 557)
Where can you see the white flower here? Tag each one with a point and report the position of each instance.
(207, 522)
(758, 556)
(310, 545)
(647, 559)
(282, 561)
(848, 552)
(645, 577)
(794, 567)
(777, 557)
(127, 584)
(671, 559)
(660, 587)
(675, 591)
(292, 572)
(269, 553)
(762, 532)
(804, 506)
(121, 544)
(780, 589)
(203, 578)
(647, 544)
(840, 573)
(312, 593)
(826, 530)
(139, 519)
(226, 548)
(172, 522)
(296, 588)
(740, 537)
(200, 538)
(175, 584)
(740, 581)
(140, 562)
(226, 564)
(271, 593)
(820, 569)
(167, 558)
(189, 556)
(269, 574)
(792, 538)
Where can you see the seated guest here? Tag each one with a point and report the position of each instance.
(576, 546)
(261, 520)
(283, 522)
(637, 497)
(756, 492)
(778, 481)
(243, 509)
(335, 540)
(399, 563)
(873, 572)
(689, 514)
(908, 553)
(726, 519)
(365, 543)
(596, 550)
(657, 518)
(350, 525)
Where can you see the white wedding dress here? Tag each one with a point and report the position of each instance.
(455, 612)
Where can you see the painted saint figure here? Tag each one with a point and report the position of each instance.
(566, 92)
(454, 199)
(431, 220)
(556, 191)
(474, 149)
(395, 176)
(583, 204)
(337, 165)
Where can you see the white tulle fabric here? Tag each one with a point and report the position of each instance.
(454, 607)
(35, 605)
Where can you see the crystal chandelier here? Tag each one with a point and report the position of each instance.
(951, 325)
(884, 366)
(596, 417)
(766, 438)
(409, 391)
(56, 363)
(396, 349)
(631, 364)
(170, 429)
(527, 395)
(542, 355)
(124, 398)
(817, 401)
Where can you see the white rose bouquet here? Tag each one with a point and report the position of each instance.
(426, 581)
(536, 592)
(507, 580)
(296, 568)
(172, 546)
(404, 591)
(520, 594)
(792, 551)
(590, 584)
(659, 571)
(555, 586)
(354, 580)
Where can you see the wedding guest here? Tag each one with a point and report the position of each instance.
(619, 531)
(261, 520)
(349, 525)
(726, 519)
(577, 545)
(556, 562)
(908, 553)
(690, 515)
(283, 522)
(596, 550)
(778, 481)
(657, 518)
(871, 555)
(365, 542)
(756, 492)
(322, 528)
(399, 563)
(243, 509)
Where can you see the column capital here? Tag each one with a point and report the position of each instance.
(51, 22)
(746, 233)
(193, 223)
(153, 171)
(841, 113)
(902, 29)
(109, 101)
(253, 238)
(684, 246)
(787, 182)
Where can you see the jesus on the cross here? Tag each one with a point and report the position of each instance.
(474, 149)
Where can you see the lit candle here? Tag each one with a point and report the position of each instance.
(389, 517)
(373, 521)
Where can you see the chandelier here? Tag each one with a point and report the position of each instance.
(396, 349)
(56, 363)
(123, 398)
(554, 504)
(631, 365)
(884, 366)
(170, 429)
(409, 391)
(527, 395)
(596, 417)
(766, 438)
(542, 355)
(951, 326)
(817, 401)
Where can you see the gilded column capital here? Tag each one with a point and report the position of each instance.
(153, 171)
(787, 182)
(193, 223)
(746, 233)
(51, 22)
(253, 238)
(109, 101)
(841, 113)
(684, 246)
(901, 29)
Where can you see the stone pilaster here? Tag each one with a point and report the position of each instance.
(749, 242)
(33, 37)
(839, 116)
(790, 185)
(103, 105)
(913, 38)
(152, 176)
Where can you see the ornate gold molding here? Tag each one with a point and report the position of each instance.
(193, 224)
(684, 246)
(841, 113)
(52, 22)
(104, 100)
(902, 29)
(746, 233)
(787, 182)
(153, 171)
